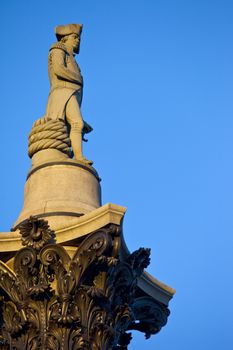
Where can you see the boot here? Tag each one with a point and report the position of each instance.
(76, 143)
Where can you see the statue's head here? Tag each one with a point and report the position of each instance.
(70, 35)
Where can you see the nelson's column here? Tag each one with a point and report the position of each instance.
(67, 279)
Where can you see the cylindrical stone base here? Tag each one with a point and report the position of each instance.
(60, 192)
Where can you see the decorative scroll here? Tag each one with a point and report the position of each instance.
(53, 302)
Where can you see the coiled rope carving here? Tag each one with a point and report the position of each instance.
(48, 133)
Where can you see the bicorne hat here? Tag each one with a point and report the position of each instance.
(67, 29)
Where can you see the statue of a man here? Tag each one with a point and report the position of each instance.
(66, 85)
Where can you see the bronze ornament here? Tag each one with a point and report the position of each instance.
(90, 301)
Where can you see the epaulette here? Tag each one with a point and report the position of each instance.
(59, 45)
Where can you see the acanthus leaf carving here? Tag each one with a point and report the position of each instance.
(52, 301)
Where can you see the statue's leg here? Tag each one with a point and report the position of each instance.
(75, 120)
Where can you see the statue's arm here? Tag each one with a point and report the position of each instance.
(60, 69)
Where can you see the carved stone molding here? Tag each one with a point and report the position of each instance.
(90, 301)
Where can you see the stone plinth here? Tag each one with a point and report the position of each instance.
(59, 191)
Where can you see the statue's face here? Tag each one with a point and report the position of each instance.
(73, 41)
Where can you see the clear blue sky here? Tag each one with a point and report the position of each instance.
(158, 92)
